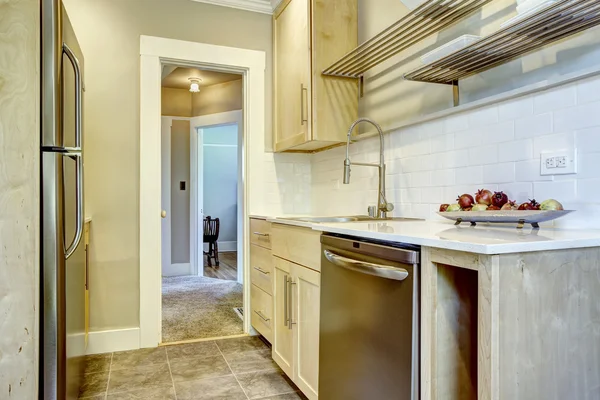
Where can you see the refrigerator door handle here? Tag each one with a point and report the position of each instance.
(78, 93)
(78, 203)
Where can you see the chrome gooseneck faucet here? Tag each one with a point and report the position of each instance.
(383, 207)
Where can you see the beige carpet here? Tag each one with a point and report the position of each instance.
(195, 307)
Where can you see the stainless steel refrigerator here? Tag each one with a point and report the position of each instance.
(63, 256)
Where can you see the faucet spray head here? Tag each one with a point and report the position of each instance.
(346, 171)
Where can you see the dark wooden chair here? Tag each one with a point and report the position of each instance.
(211, 235)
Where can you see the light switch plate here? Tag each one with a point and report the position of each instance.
(560, 162)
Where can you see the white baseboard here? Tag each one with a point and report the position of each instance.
(224, 246)
(177, 270)
(113, 340)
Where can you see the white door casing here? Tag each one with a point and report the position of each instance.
(165, 150)
(153, 52)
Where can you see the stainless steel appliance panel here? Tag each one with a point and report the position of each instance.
(369, 346)
(63, 254)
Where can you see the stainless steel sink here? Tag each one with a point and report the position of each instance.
(354, 218)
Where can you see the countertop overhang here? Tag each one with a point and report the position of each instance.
(481, 239)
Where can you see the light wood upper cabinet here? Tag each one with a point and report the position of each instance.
(312, 112)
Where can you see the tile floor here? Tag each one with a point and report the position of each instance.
(239, 368)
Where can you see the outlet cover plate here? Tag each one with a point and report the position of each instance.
(560, 162)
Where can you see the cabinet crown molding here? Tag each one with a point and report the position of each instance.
(261, 6)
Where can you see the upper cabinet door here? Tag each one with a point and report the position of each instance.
(292, 82)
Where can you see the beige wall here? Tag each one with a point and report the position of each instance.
(219, 98)
(180, 199)
(19, 198)
(176, 102)
(109, 33)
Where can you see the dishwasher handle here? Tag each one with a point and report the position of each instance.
(382, 271)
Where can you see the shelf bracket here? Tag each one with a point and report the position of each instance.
(361, 86)
(455, 93)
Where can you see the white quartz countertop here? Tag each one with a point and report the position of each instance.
(481, 239)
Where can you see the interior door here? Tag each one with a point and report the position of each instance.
(75, 278)
(306, 309)
(165, 182)
(292, 75)
(283, 349)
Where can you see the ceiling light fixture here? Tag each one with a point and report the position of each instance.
(195, 84)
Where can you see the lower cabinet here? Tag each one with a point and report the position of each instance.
(296, 298)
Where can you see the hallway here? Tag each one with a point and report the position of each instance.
(239, 368)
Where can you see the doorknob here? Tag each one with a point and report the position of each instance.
(163, 214)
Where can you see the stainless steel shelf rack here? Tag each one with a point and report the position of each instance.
(427, 19)
(556, 22)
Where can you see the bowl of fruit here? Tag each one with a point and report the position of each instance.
(496, 207)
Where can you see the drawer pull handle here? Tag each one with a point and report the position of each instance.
(262, 316)
(261, 234)
(262, 271)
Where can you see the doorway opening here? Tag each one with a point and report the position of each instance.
(202, 274)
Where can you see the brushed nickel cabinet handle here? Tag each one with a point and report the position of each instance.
(261, 234)
(262, 271)
(290, 304)
(262, 316)
(285, 301)
(303, 118)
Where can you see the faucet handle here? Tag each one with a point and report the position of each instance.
(387, 207)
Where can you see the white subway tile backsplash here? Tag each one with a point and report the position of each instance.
(456, 158)
(588, 140)
(483, 155)
(558, 141)
(588, 189)
(483, 117)
(442, 143)
(529, 171)
(499, 173)
(588, 90)
(554, 99)
(579, 117)
(559, 190)
(469, 175)
(433, 195)
(443, 177)
(517, 150)
(468, 138)
(502, 132)
(495, 147)
(420, 179)
(534, 125)
(516, 108)
(455, 123)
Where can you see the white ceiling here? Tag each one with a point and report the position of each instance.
(177, 77)
(261, 6)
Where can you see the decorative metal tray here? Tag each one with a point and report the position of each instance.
(533, 217)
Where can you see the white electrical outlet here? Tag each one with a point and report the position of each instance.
(559, 162)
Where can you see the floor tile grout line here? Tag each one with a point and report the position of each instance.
(232, 373)
(171, 373)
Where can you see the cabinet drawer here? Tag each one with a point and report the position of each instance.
(261, 268)
(260, 232)
(262, 312)
(298, 245)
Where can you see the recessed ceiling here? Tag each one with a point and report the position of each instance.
(177, 77)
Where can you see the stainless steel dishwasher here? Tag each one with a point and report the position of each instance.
(369, 330)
